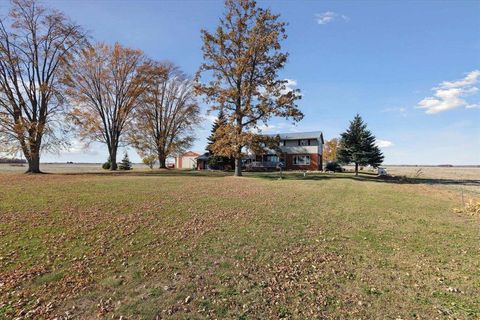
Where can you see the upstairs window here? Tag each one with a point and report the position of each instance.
(304, 142)
(301, 160)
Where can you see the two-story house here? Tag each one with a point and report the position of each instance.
(300, 151)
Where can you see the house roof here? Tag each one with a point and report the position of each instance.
(299, 135)
(204, 156)
(189, 154)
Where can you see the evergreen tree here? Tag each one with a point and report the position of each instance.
(357, 145)
(107, 165)
(125, 164)
(219, 122)
(217, 161)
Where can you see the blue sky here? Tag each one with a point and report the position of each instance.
(410, 68)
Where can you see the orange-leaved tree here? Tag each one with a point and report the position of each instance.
(105, 84)
(242, 59)
(330, 150)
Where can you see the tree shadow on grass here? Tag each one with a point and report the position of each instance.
(363, 177)
(151, 173)
(366, 177)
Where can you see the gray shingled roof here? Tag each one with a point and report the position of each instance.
(298, 135)
(204, 156)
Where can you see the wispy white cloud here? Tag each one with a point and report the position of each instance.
(210, 118)
(290, 85)
(272, 128)
(400, 110)
(384, 143)
(265, 128)
(452, 94)
(76, 147)
(329, 16)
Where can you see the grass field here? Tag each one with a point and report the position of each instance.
(187, 245)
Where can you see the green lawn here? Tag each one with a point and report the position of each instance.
(193, 246)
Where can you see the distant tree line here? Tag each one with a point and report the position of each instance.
(12, 160)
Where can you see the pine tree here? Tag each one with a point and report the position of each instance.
(107, 165)
(357, 145)
(217, 161)
(219, 122)
(125, 164)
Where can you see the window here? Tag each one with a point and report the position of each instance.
(305, 142)
(272, 158)
(301, 160)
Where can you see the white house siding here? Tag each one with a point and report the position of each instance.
(188, 162)
(291, 146)
(300, 149)
(294, 143)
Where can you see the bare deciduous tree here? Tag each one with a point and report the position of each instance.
(36, 43)
(105, 84)
(243, 58)
(167, 114)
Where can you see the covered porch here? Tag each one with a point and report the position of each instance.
(263, 162)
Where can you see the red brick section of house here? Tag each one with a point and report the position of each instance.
(315, 162)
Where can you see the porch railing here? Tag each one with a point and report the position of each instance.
(262, 164)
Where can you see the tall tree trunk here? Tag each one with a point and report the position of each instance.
(113, 159)
(238, 167)
(356, 168)
(238, 156)
(162, 161)
(162, 157)
(32, 154)
(34, 163)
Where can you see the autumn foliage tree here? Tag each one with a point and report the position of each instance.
(105, 84)
(217, 161)
(36, 43)
(168, 112)
(330, 150)
(149, 160)
(242, 59)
